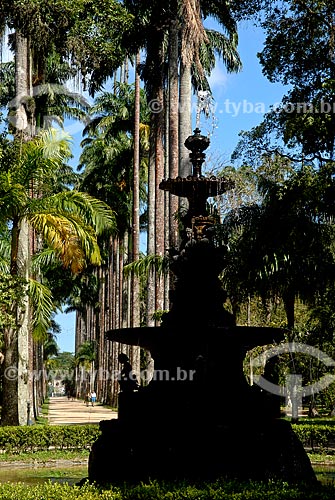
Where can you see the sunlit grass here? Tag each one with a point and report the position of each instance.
(46, 456)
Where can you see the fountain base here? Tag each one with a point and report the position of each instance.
(203, 420)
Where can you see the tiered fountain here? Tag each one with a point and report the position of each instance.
(198, 417)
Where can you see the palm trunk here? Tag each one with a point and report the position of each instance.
(135, 302)
(151, 289)
(173, 127)
(185, 126)
(155, 54)
(22, 87)
(116, 259)
(135, 319)
(159, 213)
(125, 284)
(185, 119)
(100, 339)
(24, 396)
(9, 412)
(24, 91)
(16, 392)
(166, 203)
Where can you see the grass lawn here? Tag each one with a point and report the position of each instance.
(43, 457)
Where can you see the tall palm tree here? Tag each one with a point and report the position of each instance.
(115, 156)
(174, 37)
(68, 222)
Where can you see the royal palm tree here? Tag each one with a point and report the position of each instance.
(173, 36)
(115, 171)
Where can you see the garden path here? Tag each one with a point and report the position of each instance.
(67, 411)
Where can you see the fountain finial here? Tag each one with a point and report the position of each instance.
(197, 143)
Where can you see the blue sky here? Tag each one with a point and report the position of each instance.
(239, 102)
(241, 98)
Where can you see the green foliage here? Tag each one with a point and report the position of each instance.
(219, 45)
(88, 33)
(108, 150)
(69, 222)
(35, 438)
(298, 52)
(11, 291)
(158, 314)
(42, 299)
(315, 435)
(7, 82)
(46, 456)
(63, 361)
(220, 490)
(283, 245)
(147, 263)
(54, 491)
(86, 354)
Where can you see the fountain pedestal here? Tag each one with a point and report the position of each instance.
(198, 417)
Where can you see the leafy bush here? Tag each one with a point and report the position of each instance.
(36, 438)
(54, 491)
(220, 490)
(315, 436)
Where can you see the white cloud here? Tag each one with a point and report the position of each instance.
(218, 77)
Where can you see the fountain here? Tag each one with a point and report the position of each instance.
(198, 417)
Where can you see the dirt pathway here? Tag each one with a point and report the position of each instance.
(65, 411)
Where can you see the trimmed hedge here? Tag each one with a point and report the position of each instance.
(224, 490)
(25, 439)
(315, 436)
(37, 438)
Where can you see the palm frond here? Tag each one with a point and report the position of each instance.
(44, 259)
(222, 13)
(93, 211)
(55, 144)
(86, 354)
(193, 33)
(222, 46)
(4, 255)
(13, 196)
(41, 297)
(145, 264)
(74, 242)
(43, 156)
(145, 136)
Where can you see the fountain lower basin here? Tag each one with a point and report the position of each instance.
(201, 419)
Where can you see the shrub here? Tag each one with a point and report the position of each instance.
(220, 490)
(37, 438)
(315, 436)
